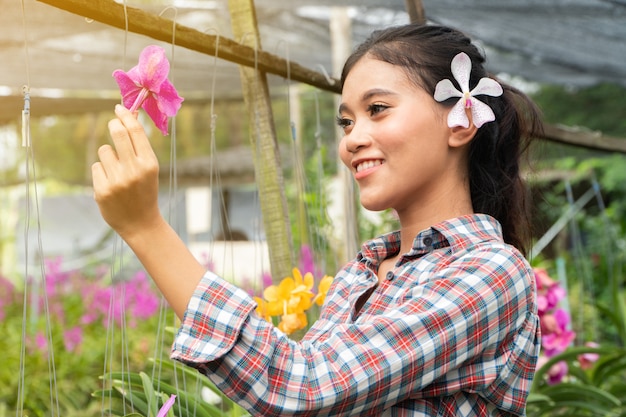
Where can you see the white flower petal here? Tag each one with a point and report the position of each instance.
(481, 113)
(487, 86)
(457, 116)
(209, 396)
(445, 90)
(461, 68)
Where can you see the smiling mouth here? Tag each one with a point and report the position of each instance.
(368, 164)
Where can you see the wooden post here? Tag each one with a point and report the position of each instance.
(415, 9)
(341, 43)
(268, 169)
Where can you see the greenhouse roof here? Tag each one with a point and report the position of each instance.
(67, 60)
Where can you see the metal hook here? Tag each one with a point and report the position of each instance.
(26, 117)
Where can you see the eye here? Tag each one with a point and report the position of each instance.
(374, 109)
(344, 122)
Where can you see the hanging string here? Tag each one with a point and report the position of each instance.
(30, 298)
(215, 180)
(173, 220)
(118, 296)
(321, 243)
(586, 281)
(297, 156)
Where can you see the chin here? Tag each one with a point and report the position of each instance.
(373, 205)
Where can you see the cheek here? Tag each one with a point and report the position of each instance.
(344, 155)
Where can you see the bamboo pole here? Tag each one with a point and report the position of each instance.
(139, 21)
(268, 171)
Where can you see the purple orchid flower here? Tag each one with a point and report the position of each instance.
(166, 407)
(146, 85)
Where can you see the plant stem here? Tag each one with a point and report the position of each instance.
(141, 97)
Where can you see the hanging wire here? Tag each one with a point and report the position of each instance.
(297, 156)
(172, 219)
(118, 296)
(28, 295)
(581, 266)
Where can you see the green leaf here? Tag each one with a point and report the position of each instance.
(608, 366)
(568, 392)
(151, 395)
(538, 399)
(569, 355)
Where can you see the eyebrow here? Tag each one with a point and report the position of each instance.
(374, 92)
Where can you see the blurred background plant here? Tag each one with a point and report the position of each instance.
(87, 315)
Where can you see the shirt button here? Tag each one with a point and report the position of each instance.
(389, 275)
(428, 241)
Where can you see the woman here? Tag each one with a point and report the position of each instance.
(435, 319)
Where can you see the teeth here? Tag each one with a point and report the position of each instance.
(367, 165)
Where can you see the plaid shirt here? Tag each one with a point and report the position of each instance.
(452, 330)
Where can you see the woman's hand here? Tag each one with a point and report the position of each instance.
(125, 180)
(126, 188)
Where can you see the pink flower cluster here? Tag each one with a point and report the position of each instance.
(75, 301)
(555, 333)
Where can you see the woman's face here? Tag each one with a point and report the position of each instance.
(396, 138)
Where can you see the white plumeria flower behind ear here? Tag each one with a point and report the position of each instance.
(481, 112)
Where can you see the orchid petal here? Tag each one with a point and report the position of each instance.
(487, 86)
(481, 113)
(153, 67)
(166, 407)
(457, 116)
(445, 90)
(130, 90)
(461, 68)
(151, 106)
(169, 100)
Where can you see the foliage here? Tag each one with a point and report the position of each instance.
(72, 322)
(141, 395)
(600, 107)
(574, 381)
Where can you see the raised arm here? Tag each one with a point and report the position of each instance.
(126, 188)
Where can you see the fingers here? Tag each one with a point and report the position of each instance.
(130, 134)
(121, 134)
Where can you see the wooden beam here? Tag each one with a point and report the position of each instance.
(585, 139)
(111, 13)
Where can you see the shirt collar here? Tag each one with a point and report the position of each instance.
(458, 233)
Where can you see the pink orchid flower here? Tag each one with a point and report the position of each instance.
(146, 85)
(586, 360)
(557, 372)
(481, 113)
(166, 407)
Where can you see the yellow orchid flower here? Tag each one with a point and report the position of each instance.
(322, 289)
(290, 300)
(262, 308)
(291, 322)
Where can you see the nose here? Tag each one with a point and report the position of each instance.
(357, 139)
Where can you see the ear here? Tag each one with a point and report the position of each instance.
(461, 136)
